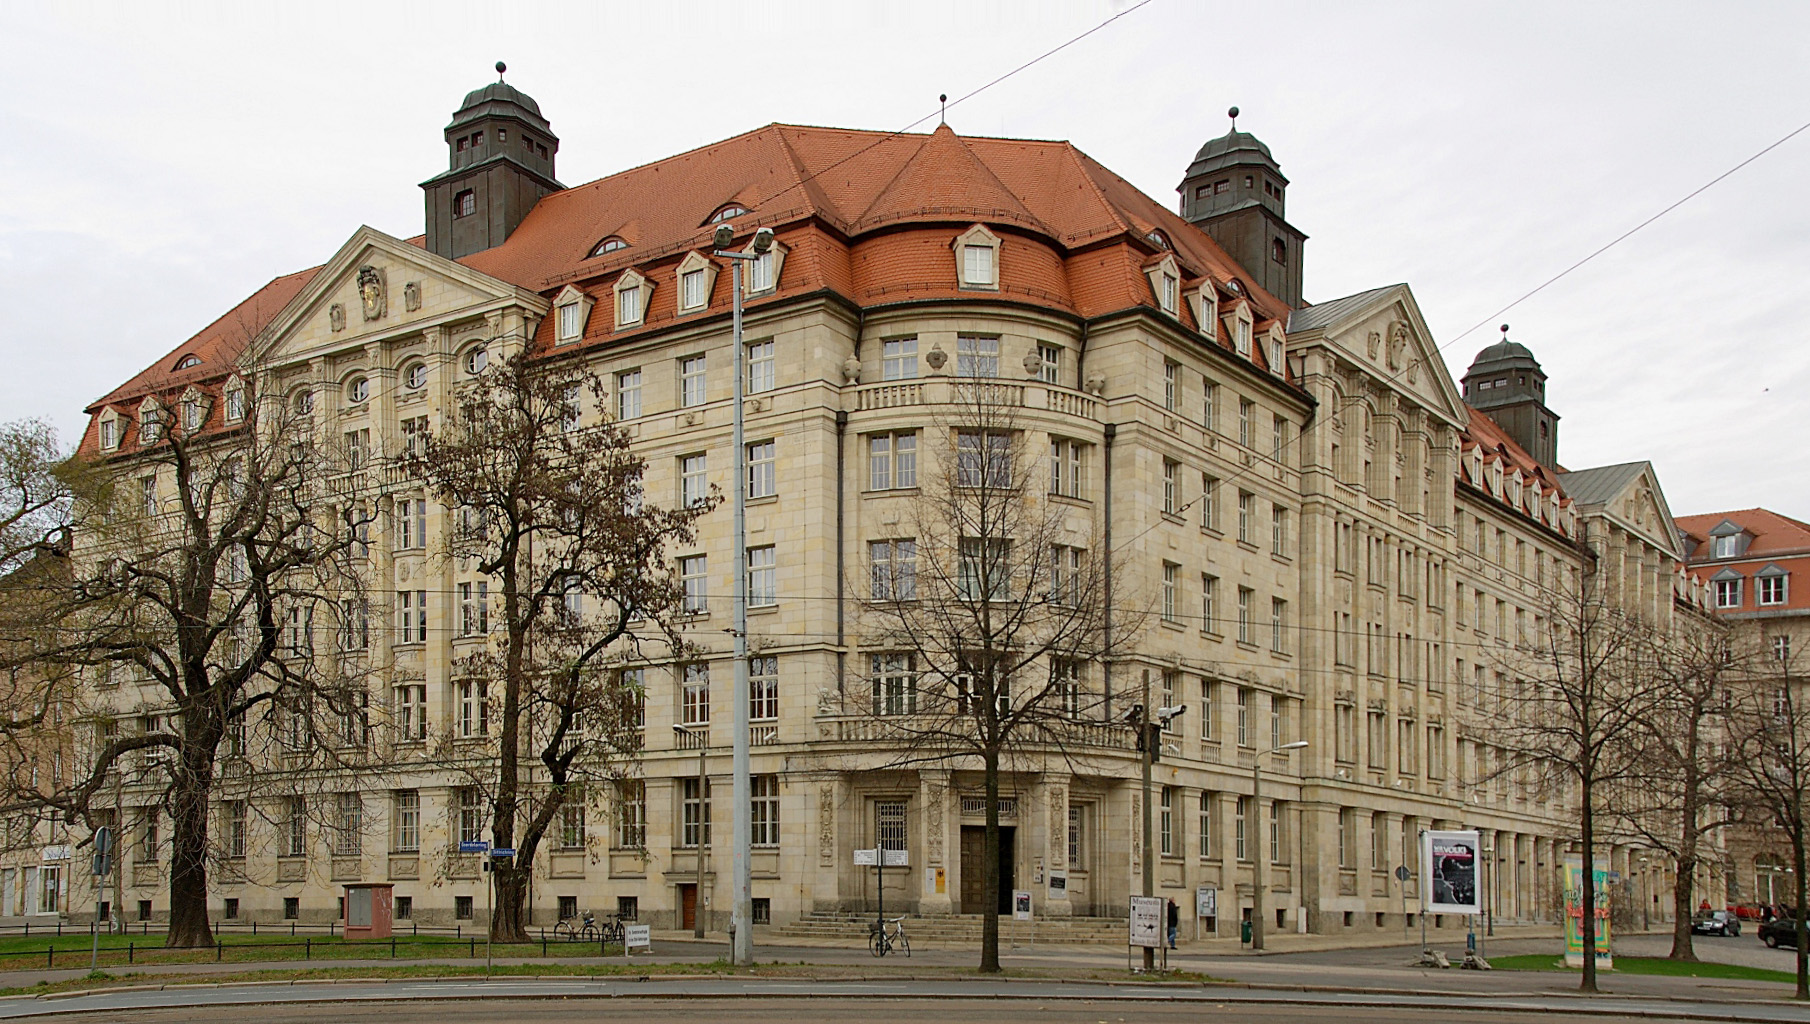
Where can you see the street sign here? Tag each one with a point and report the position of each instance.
(103, 851)
(473, 845)
(637, 936)
(502, 852)
(1146, 926)
(893, 858)
(1402, 873)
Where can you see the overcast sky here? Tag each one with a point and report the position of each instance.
(159, 162)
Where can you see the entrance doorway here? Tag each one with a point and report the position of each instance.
(974, 849)
(688, 906)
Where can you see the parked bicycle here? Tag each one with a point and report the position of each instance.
(882, 940)
(574, 929)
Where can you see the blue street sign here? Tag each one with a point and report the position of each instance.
(473, 845)
(502, 851)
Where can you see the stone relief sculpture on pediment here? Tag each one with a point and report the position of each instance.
(371, 291)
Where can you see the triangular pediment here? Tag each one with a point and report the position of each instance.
(1381, 336)
(378, 286)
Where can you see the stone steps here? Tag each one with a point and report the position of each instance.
(959, 928)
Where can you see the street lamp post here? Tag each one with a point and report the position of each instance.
(1144, 717)
(741, 924)
(1261, 854)
(697, 899)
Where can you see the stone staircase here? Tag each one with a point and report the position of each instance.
(958, 929)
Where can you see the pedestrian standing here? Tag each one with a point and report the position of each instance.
(1175, 922)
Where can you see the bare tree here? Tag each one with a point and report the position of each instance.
(1676, 794)
(37, 491)
(981, 625)
(1574, 700)
(200, 579)
(551, 520)
(1770, 734)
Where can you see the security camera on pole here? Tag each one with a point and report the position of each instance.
(741, 924)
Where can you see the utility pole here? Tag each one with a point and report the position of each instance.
(1143, 717)
(741, 916)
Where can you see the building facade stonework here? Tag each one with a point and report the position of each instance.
(1318, 539)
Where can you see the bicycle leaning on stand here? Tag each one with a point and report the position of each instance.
(882, 940)
(573, 929)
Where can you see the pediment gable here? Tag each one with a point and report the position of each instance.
(1382, 337)
(377, 286)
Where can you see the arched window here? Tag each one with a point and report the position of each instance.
(728, 211)
(476, 360)
(187, 361)
(1158, 239)
(415, 376)
(358, 390)
(1279, 250)
(608, 245)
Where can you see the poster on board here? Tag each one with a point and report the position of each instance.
(1449, 876)
(1146, 921)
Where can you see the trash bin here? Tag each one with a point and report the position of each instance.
(1244, 932)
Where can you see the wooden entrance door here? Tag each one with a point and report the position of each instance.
(688, 907)
(974, 848)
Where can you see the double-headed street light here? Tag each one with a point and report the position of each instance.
(741, 923)
(1261, 854)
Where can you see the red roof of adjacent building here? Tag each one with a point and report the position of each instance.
(1773, 534)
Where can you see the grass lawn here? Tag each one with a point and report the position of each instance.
(1646, 965)
(71, 950)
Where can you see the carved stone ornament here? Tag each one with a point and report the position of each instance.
(411, 296)
(1374, 343)
(851, 370)
(1414, 372)
(826, 826)
(371, 291)
(1033, 364)
(336, 317)
(1095, 384)
(1398, 343)
(936, 357)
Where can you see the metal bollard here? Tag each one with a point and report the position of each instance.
(308, 947)
(129, 952)
(50, 956)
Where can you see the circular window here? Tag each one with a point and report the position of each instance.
(416, 376)
(358, 390)
(304, 403)
(476, 360)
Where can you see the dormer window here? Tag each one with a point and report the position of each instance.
(608, 245)
(632, 294)
(977, 258)
(1165, 283)
(150, 422)
(235, 400)
(1158, 239)
(187, 361)
(465, 203)
(1771, 586)
(762, 273)
(1724, 547)
(194, 413)
(109, 429)
(573, 309)
(1275, 355)
(697, 276)
(1206, 310)
(1241, 330)
(729, 212)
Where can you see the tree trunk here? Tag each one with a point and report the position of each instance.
(1803, 931)
(189, 925)
(507, 923)
(1681, 906)
(1587, 894)
(989, 870)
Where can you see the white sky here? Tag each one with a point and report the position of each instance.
(158, 162)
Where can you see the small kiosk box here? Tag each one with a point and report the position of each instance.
(367, 910)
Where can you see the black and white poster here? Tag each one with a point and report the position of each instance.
(1449, 862)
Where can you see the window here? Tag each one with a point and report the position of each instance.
(1407, 747)
(976, 356)
(462, 908)
(763, 688)
(1243, 699)
(1171, 385)
(150, 426)
(406, 804)
(1171, 574)
(899, 359)
(1068, 686)
(1435, 752)
(892, 461)
(1245, 595)
(1378, 740)
(476, 360)
(628, 305)
(405, 908)
(149, 838)
(414, 438)
(691, 381)
(474, 609)
(1166, 296)
(1246, 504)
(763, 797)
(358, 448)
(1241, 336)
(1172, 471)
(1278, 625)
(1276, 364)
(1238, 819)
(1166, 830)
(571, 824)
(1065, 575)
(1781, 648)
(694, 483)
(695, 804)
(763, 574)
(348, 825)
(631, 814)
(977, 265)
(1725, 547)
(471, 814)
(1049, 361)
(412, 516)
(1276, 832)
(109, 434)
(984, 568)
(1278, 530)
(235, 828)
(760, 367)
(1077, 836)
(694, 693)
(692, 288)
(728, 212)
(1209, 595)
(608, 245)
(192, 415)
(1205, 828)
(895, 684)
(147, 495)
(889, 824)
(1066, 465)
(411, 616)
(760, 272)
(762, 478)
(1771, 589)
(465, 203)
(1728, 593)
(474, 708)
(571, 321)
(295, 828)
(628, 394)
(300, 632)
(1209, 502)
(694, 574)
(983, 459)
(411, 712)
(894, 568)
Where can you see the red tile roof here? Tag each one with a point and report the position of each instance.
(1484, 434)
(1773, 534)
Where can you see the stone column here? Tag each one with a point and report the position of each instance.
(933, 798)
(1055, 861)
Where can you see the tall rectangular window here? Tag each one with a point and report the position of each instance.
(1172, 372)
(763, 477)
(631, 814)
(691, 289)
(1279, 439)
(1278, 530)
(763, 797)
(348, 824)
(760, 273)
(1245, 596)
(695, 801)
(474, 609)
(1377, 740)
(1204, 835)
(1209, 502)
(1065, 575)
(1276, 820)
(1278, 625)
(471, 814)
(1171, 577)
(977, 264)
(691, 381)
(412, 515)
(1209, 596)
(892, 461)
(899, 359)
(1066, 461)
(1247, 411)
(1246, 506)
(1049, 364)
(474, 708)
(1209, 407)
(761, 376)
(895, 684)
(411, 712)
(411, 616)
(763, 688)
(406, 807)
(976, 356)
(1244, 717)
(694, 693)
(763, 576)
(571, 824)
(1167, 828)
(889, 824)
(628, 394)
(235, 828)
(894, 568)
(694, 480)
(295, 828)
(694, 576)
(1240, 814)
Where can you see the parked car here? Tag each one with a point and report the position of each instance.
(1780, 931)
(1716, 922)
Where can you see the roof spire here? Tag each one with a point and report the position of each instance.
(943, 118)
(1233, 114)
(1504, 332)
(500, 68)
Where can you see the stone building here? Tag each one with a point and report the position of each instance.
(1321, 536)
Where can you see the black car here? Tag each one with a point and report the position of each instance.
(1717, 922)
(1780, 931)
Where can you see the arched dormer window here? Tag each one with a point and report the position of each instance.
(187, 361)
(572, 311)
(728, 211)
(607, 246)
(1158, 239)
(977, 259)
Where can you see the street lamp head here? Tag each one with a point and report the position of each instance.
(676, 727)
(725, 235)
(763, 241)
(1296, 745)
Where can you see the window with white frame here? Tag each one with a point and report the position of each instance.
(1172, 485)
(470, 806)
(976, 356)
(1246, 506)
(694, 481)
(1278, 530)
(1166, 826)
(572, 315)
(1209, 597)
(977, 258)
(1065, 574)
(571, 823)
(1207, 310)
(984, 568)
(109, 433)
(1172, 372)
(763, 688)
(1278, 625)
(694, 693)
(406, 808)
(1247, 413)
(693, 290)
(763, 576)
(411, 712)
(1069, 692)
(411, 616)
(411, 514)
(1770, 588)
(628, 394)
(983, 459)
(893, 569)
(1067, 467)
(631, 814)
(1241, 811)
(1171, 581)
(691, 381)
(899, 359)
(1049, 364)
(474, 609)
(474, 708)
(763, 796)
(235, 403)
(761, 375)
(694, 577)
(1245, 597)
(1728, 593)
(348, 824)
(763, 479)
(631, 299)
(762, 276)
(694, 800)
(1241, 333)
(892, 461)
(295, 828)
(1167, 293)
(1725, 546)
(895, 683)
